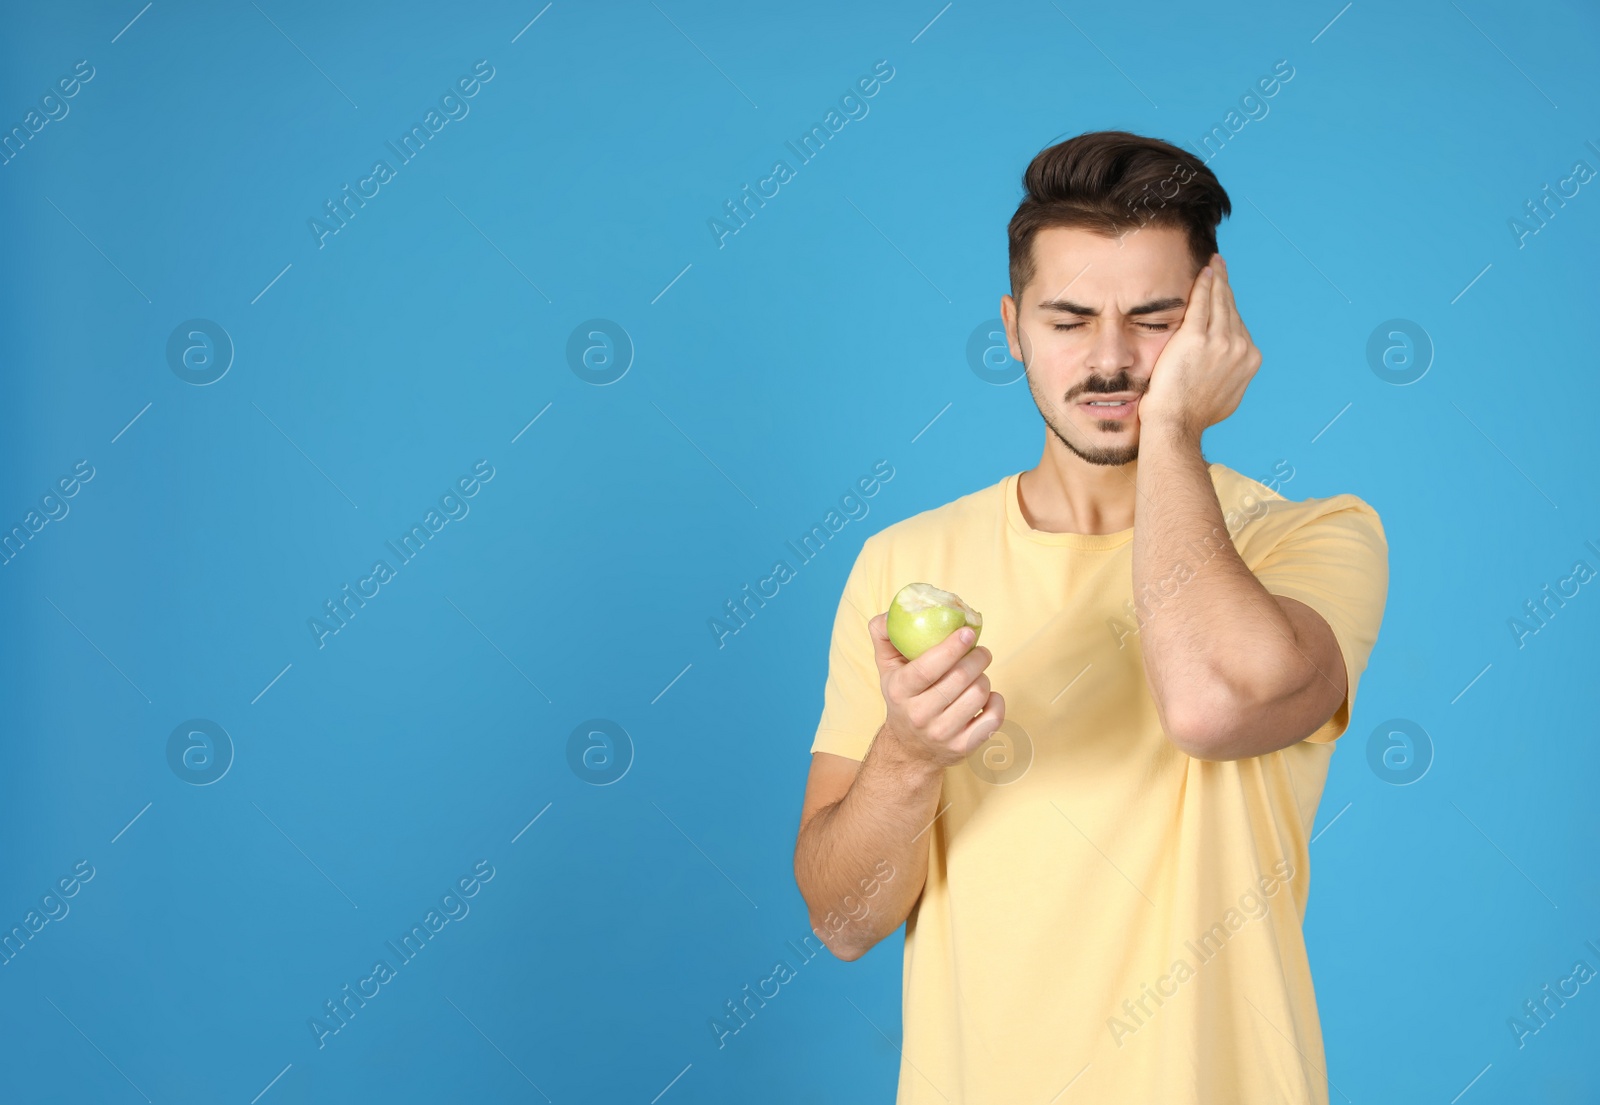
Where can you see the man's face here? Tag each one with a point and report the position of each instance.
(1091, 324)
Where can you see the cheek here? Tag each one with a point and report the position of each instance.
(1064, 344)
(1054, 363)
(1155, 343)
(1038, 340)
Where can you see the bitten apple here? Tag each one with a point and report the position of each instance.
(922, 615)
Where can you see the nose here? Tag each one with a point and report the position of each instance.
(1111, 351)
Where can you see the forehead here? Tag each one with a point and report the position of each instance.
(1091, 268)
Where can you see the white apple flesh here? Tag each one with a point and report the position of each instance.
(922, 615)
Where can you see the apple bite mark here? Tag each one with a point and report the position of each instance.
(922, 615)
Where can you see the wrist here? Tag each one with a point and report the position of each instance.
(905, 760)
(1170, 434)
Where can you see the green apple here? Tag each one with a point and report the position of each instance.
(922, 615)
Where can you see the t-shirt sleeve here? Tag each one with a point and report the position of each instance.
(852, 708)
(1338, 564)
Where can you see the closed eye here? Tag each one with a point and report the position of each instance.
(1152, 327)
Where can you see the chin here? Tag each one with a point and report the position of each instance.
(1106, 455)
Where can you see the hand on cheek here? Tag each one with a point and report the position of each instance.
(1201, 374)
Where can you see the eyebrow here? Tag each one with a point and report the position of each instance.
(1155, 306)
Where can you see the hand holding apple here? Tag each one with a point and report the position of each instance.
(939, 706)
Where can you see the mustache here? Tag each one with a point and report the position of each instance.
(1117, 384)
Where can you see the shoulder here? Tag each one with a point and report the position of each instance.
(973, 515)
(1259, 510)
(1260, 517)
(1264, 523)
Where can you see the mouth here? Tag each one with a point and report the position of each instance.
(1110, 408)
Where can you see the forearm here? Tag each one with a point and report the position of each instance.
(882, 824)
(1211, 634)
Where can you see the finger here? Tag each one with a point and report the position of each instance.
(967, 671)
(984, 726)
(1221, 320)
(1236, 326)
(1238, 318)
(958, 703)
(1197, 313)
(966, 706)
(1238, 331)
(1228, 322)
(931, 666)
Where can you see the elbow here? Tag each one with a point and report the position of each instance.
(839, 942)
(1200, 726)
(849, 955)
(841, 936)
(835, 933)
(1196, 748)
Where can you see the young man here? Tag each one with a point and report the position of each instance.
(1095, 825)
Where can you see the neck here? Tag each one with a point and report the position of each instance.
(1066, 494)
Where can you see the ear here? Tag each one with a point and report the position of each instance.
(1008, 315)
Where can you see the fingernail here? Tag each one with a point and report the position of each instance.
(967, 636)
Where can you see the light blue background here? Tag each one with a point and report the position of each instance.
(768, 375)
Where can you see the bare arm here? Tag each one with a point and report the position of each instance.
(1235, 670)
(861, 861)
(871, 840)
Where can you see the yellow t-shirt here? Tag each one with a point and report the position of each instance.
(1106, 919)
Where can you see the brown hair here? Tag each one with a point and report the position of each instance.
(1109, 181)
